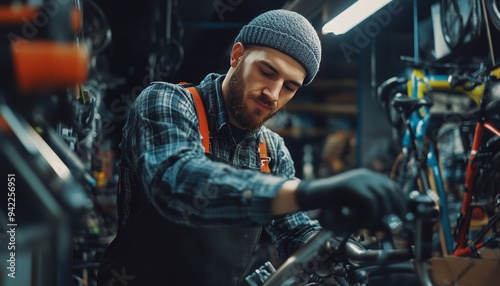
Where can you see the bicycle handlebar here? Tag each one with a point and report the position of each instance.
(357, 255)
(297, 267)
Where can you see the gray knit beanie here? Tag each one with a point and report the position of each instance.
(288, 32)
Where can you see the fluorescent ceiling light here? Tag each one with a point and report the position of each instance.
(353, 15)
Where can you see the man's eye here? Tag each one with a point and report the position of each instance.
(265, 73)
(290, 88)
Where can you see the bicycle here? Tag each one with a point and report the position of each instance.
(417, 149)
(482, 182)
(481, 165)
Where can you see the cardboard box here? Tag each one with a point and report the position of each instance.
(465, 271)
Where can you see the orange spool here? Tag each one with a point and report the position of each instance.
(45, 65)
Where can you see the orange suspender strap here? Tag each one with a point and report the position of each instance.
(264, 159)
(205, 138)
(202, 118)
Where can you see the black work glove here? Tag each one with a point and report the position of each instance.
(353, 200)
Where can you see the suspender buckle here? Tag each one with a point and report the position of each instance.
(264, 159)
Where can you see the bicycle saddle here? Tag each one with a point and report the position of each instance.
(408, 104)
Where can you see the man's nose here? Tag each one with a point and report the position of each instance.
(272, 91)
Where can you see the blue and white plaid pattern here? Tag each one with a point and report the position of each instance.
(163, 160)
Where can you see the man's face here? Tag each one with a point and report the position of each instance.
(262, 82)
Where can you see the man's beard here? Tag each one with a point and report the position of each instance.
(247, 119)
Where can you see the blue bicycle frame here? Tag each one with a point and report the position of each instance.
(419, 122)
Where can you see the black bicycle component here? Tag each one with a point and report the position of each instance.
(405, 106)
(329, 260)
(168, 52)
(452, 23)
(385, 93)
(408, 105)
(459, 20)
(260, 275)
(425, 217)
(97, 32)
(476, 19)
(291, 271)
(493, 8)
(416, 177)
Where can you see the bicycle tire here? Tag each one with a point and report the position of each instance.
(452, 24)
(404, 173)
(96, 26)
(493, 8)
(394, 174)
(476, 19)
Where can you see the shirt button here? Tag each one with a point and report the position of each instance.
(247, 194)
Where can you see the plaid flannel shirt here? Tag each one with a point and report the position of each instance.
(163, 161)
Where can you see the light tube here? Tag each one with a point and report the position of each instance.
(353, 15)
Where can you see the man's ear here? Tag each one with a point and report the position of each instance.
(236, 53)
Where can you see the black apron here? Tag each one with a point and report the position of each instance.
(151, 250)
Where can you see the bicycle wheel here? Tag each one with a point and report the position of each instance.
(452, 23)
(404, 173)
(476, 19)
(419, 176)
(493, 8)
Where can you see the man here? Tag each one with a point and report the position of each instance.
(187, 218)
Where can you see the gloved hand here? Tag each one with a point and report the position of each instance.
(352, 200)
